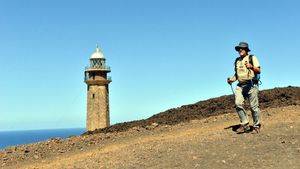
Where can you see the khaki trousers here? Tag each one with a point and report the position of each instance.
(250, 92)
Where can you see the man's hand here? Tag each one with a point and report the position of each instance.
(249, 66)
(255, 69)
(229, 81)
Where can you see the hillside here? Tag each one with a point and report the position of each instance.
(199, 135)
(271, 98)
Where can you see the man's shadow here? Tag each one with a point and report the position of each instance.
(235, 127)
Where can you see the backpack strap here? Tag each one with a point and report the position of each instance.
(256, 76)
(250, 59)
(235, 69)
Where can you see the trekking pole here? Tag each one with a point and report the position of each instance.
(232, 93)
(232, 89)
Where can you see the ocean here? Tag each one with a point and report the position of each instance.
(12, 138)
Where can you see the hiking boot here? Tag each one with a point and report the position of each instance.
(244, 128)
(256, 129)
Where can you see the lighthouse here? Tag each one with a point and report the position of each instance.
(95, 76)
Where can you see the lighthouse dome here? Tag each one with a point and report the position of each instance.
(97, 54)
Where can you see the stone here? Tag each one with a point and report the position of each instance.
(97, 107)
(154, 124)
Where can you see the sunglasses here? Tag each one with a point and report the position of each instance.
(241, 49)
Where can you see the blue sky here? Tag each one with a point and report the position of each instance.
(163, 54)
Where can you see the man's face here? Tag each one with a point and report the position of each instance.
(242, 52)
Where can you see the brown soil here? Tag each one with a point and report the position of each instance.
(197, 140)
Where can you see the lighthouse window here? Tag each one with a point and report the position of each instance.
(93, 95)
(92, 63)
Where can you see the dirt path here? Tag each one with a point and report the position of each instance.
(198, 144)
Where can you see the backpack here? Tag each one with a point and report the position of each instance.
(256, 78)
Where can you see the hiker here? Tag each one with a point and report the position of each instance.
(247, 70)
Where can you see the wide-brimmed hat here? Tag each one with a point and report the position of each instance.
(242, 45)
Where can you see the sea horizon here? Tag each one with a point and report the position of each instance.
(10, 138)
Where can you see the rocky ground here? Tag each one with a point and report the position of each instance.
(202, 137)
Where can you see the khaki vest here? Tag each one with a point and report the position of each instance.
(243, 73)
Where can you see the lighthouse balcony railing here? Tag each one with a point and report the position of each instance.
(97, 67)
(86, 77)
